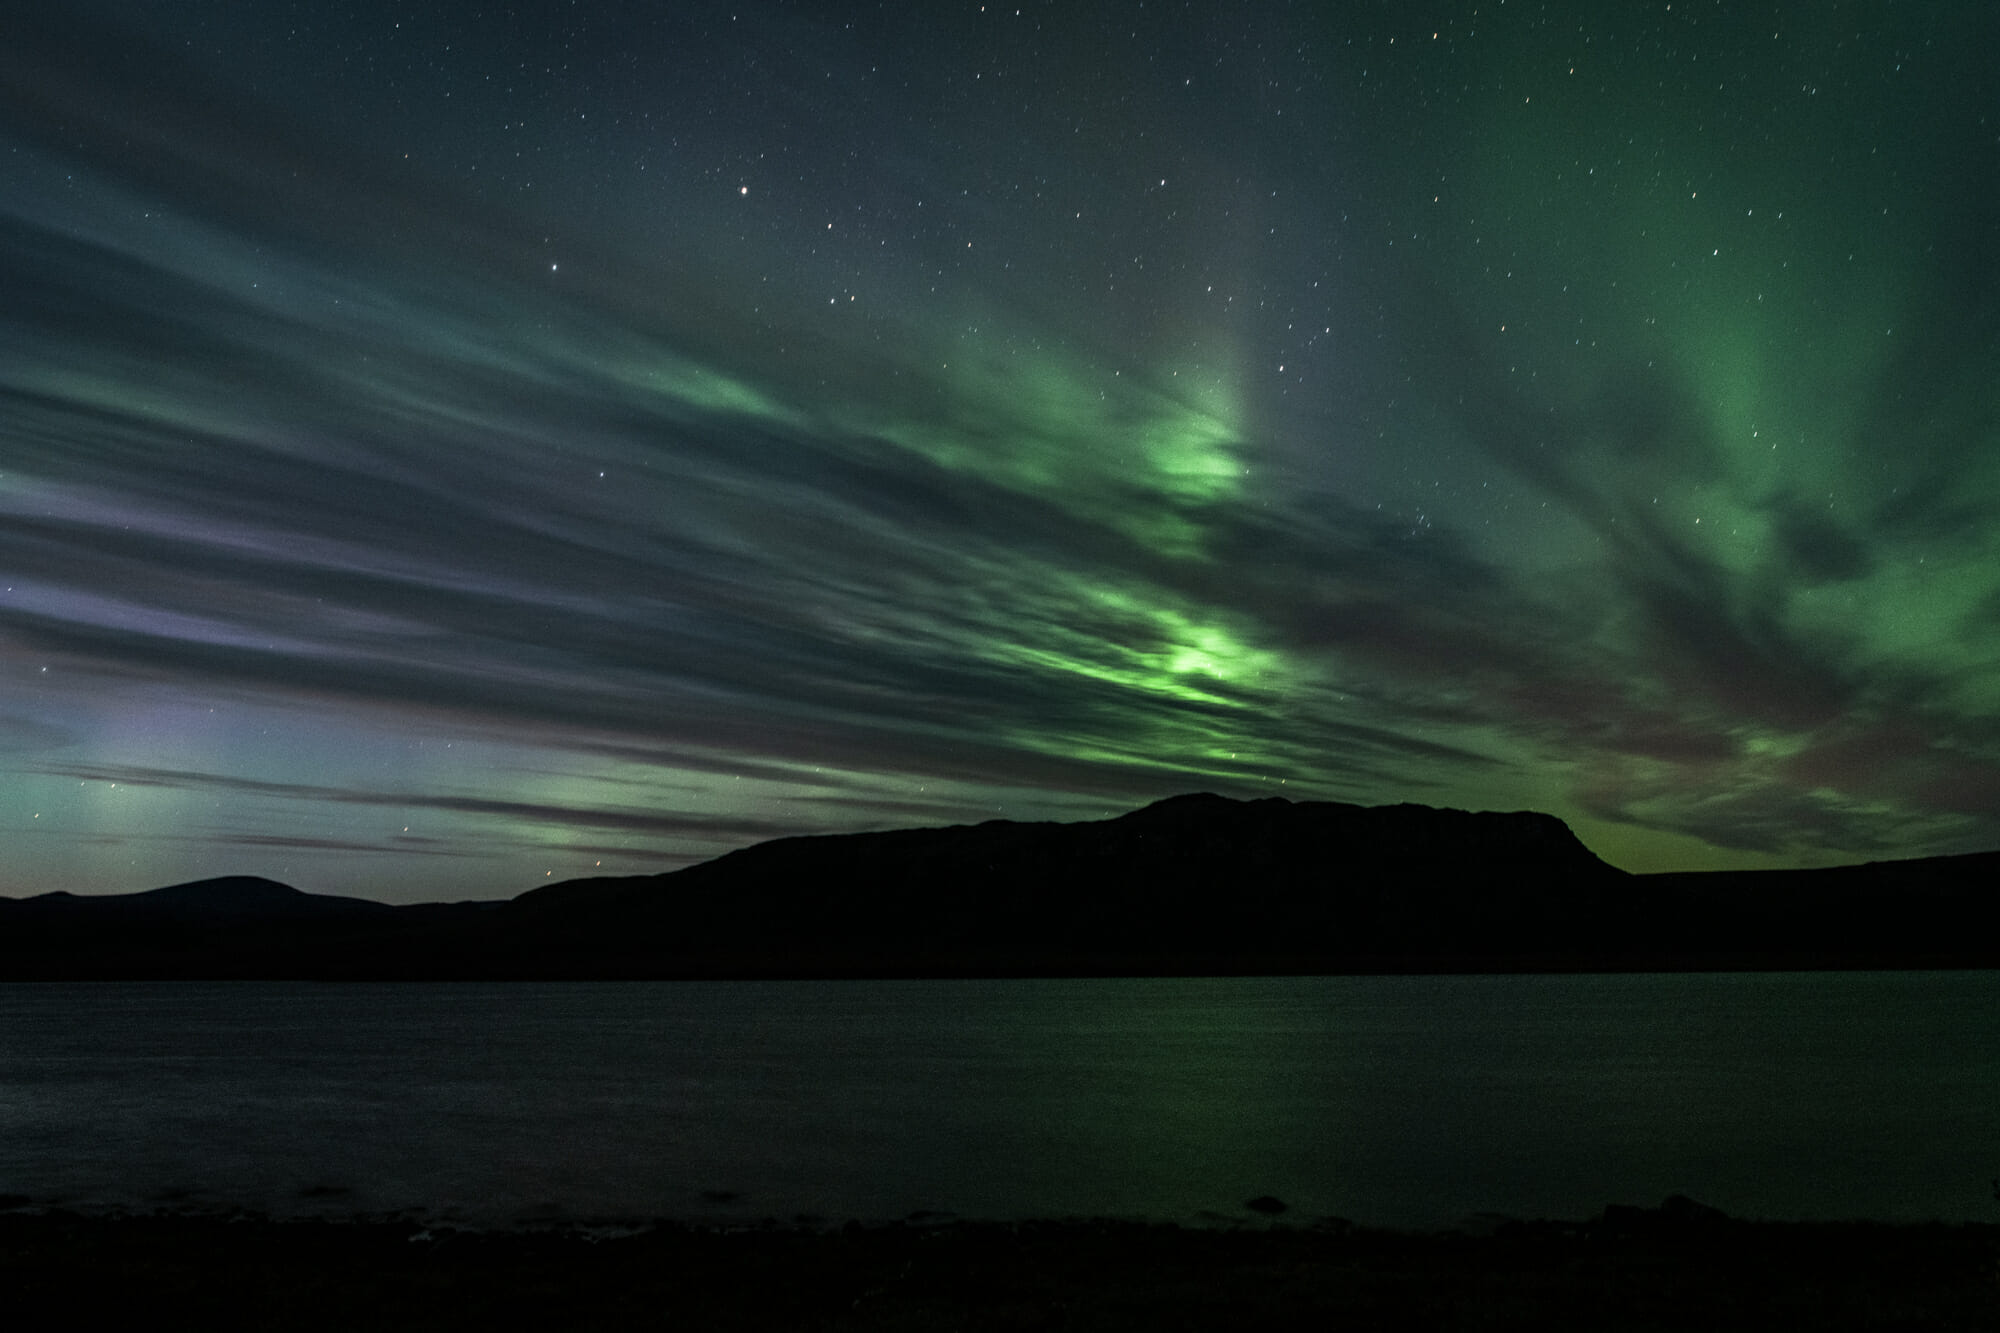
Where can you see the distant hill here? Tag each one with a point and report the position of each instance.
(233, 926)
(230, 899)
(1193, 884)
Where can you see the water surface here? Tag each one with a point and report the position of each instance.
(1407, 1101)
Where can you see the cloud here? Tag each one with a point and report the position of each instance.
(1756, 815)
(727, 828)
(287, 842)
(27, 735)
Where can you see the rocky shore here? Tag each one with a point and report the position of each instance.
(1631, 1269)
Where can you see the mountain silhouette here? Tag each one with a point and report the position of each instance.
(229, 898)
(1193, 884)
(1187, 877)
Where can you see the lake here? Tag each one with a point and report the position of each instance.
(1397, 1101)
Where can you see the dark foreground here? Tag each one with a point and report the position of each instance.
(1644, 1271)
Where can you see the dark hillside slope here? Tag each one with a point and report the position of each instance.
(1935, 911)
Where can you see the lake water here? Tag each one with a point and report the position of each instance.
(1401, 1101)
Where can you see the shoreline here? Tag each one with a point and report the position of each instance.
(1677, 1266)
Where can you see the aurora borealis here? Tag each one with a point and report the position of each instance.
(448, 447)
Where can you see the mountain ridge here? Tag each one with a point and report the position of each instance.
(1192, 884)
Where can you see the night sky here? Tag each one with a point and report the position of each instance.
(445, 448)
